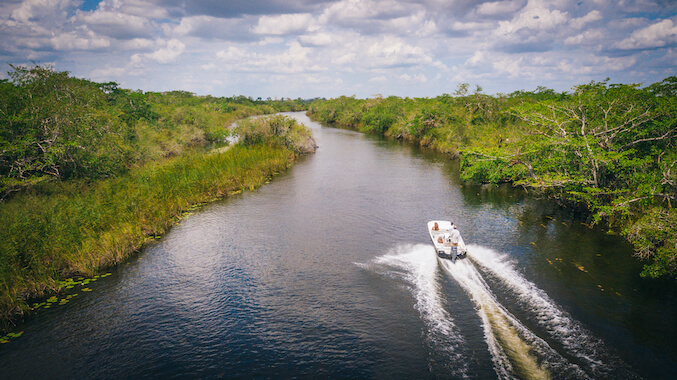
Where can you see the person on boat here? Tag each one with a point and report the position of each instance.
(454, 238)
(445, 234)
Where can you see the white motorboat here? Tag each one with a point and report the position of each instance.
(439, 233)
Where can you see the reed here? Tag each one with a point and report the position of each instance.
(56, 231)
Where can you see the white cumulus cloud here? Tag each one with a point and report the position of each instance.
(535, 17)
(170, 51)
(294, 59)
(34, 10)
(115, 24)
(320, 39)
(73, 41)
(657, 35)
(419, 78)
(283, 24)
(591, 17)
(499, 8)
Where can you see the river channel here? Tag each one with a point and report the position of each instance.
(328, 272)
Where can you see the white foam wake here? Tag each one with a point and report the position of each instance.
(511, 345)
(516, 351)
(557, 323)
(417, 265)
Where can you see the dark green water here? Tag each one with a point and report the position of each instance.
(328, 272)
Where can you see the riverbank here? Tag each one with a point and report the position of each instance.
(81, 228)
(90, 172)
(609, 149)
(94, 172)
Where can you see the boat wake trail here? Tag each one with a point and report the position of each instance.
(515, 351)
(576, 343)
(417, 266)
(544, 342)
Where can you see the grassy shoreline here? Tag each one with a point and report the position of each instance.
(78, 228)
(89, 172)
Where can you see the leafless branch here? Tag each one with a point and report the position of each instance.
(665, 136)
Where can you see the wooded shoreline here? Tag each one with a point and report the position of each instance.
(609, 149)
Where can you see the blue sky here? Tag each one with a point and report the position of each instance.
(325, 48)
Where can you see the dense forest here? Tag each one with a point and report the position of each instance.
(90, 172)
(609, 149)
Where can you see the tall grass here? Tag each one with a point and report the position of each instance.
(72, 228)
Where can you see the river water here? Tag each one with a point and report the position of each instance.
(328, 271)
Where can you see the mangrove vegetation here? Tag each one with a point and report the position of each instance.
(608, 149)
(90, 172)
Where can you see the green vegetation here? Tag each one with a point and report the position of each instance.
(89, 173)
(58, 127)
(609, 148)
(276, 131)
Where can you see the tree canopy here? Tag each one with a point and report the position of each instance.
(55, 126)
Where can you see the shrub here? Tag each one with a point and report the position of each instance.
(276, 130)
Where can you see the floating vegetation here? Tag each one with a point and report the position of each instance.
(9, 336)
(68, 284)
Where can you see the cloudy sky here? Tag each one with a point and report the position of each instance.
(328, 48)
